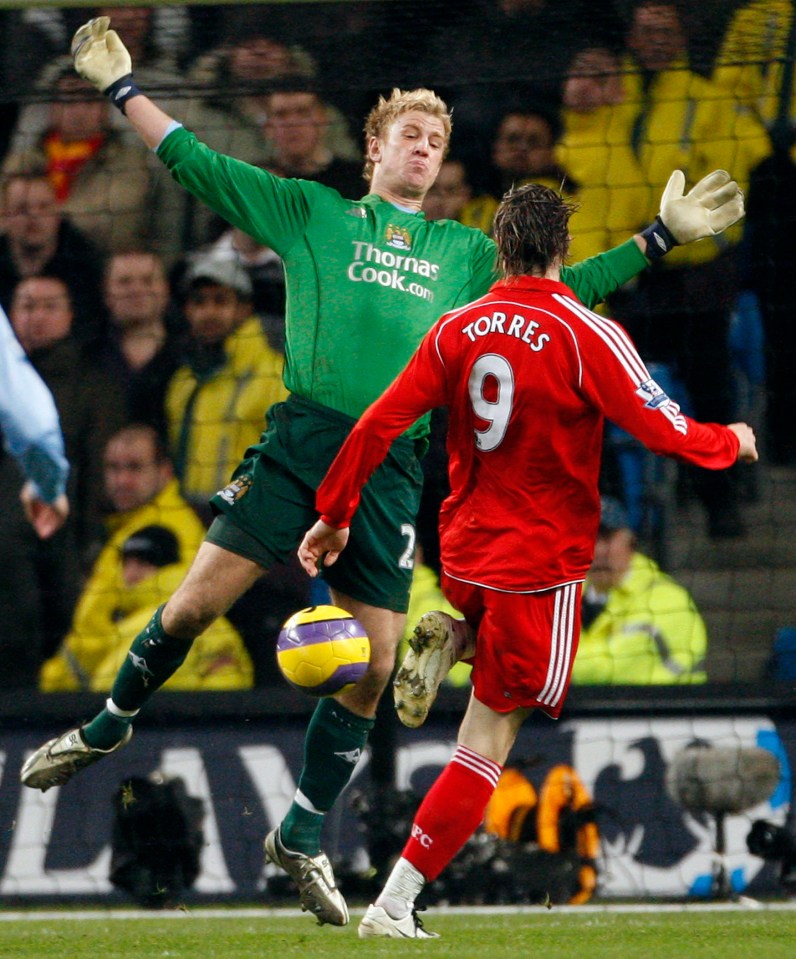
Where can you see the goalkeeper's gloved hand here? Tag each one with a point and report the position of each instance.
(102, 59)
(714, 204)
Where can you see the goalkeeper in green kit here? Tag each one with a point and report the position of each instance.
(366, 278)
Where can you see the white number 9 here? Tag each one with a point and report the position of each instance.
(496, 412)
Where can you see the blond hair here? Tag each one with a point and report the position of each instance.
(387, 111)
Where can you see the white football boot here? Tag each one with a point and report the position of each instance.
(377, 924)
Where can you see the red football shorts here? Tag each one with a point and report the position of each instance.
(526, 643)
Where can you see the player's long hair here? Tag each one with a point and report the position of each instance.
(531, 229)
(387, 111)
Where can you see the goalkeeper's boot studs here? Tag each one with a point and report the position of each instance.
(378, 924)
(313, 875)
(438, 643)
(54, 763)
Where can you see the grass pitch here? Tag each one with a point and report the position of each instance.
(577, 933)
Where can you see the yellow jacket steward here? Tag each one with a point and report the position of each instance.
(213, 418)
(751, 59)
(683, 121)
(613, 196)
(649, 633)
(104, 619)
(217, 659)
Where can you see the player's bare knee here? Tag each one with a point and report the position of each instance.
(188, 616)
(363, 698)
(382, 663)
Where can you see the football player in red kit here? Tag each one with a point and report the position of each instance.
(528, 375)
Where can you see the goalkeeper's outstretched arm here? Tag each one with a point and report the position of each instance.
(710, 207)
(101, 58)
(149, 120)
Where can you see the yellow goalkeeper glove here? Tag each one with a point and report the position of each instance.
(710, 207)
(102, 59)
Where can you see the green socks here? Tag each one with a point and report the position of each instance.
(301, 830)
(153, 658)
(106, 729)
(332, 747)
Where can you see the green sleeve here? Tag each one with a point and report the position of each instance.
(593, 279)
(271, 209)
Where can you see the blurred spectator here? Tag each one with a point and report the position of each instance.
(104, 178)
(509, 50)
(596, 150)
(38, 238)
(769, 249)
(295, 130)
(228, 110)
(754, 48)
(681, 119)
(142, 345)
(679, 313)
(156, 37)
(384, 43)
(639, 627)
(153, 534)
(215, 400)
(237, 77)
(781, 664)
(522, 149)
(267, 276)
(450, 193)
(89, 402)
(753, 58)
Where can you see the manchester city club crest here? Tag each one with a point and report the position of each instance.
(237, 489)
(398, 237)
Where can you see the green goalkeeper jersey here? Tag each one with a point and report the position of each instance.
(365, 280)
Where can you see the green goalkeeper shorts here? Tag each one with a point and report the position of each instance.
(269, 504)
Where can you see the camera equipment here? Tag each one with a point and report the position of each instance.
(774, 844)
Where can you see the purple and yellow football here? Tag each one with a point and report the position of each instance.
(322, 650)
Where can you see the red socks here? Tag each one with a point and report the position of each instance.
(451, 812)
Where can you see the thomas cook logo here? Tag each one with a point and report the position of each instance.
(237, 489)
(398, 237)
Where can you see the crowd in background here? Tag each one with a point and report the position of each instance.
(160, 329)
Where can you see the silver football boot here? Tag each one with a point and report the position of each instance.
(54, 763)
(314, 877)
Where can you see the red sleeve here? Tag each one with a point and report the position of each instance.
(417, 389)
(616, 381)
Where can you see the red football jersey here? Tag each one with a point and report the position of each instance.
(528, 374)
